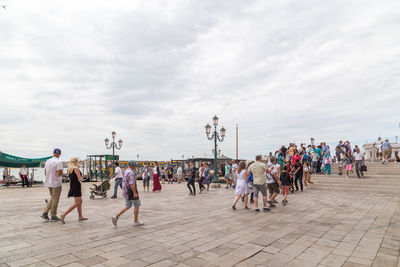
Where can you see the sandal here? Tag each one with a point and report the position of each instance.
(246, 208)
(62, 220)
(233, 207)
(82, 219)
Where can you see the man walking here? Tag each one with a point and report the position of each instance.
(386, 150)
(258, 169)
(118, 179)
(130, 193)
(358, 157)
(53, 170)
(192, 177)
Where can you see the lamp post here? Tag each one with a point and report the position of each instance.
(217, 137)
(113, 145)
(137, 157)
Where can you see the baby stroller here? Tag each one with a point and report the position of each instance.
(100, 190)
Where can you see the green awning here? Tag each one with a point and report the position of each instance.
(7, 160)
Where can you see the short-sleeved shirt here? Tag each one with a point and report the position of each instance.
(23, 171)
(128, 179)
(358, 155)
(285, 178)
(227, 169)
(386, 145)
(51, 167)
(118, 172)
(258, 170)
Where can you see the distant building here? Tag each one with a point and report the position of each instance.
(371, 149)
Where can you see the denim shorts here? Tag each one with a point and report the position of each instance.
(130, 203)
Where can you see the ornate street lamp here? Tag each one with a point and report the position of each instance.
(114, 146)
(217, 137)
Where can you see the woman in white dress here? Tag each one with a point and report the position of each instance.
(241, 185)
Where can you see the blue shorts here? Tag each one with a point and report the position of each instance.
(130, 203)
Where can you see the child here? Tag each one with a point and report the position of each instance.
(307, 175)
(349, 164)
(285, 182)
(327, 163)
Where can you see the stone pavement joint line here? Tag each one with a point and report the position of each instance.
(317, 228)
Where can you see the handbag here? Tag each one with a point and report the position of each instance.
(363, 168)
(130, 193)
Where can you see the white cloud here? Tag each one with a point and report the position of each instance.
(157, 71)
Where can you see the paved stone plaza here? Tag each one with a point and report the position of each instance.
(317, 228)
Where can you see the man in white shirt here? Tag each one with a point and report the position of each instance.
(379, 151)
(358, 157)
(53, 170)
(23, 174)
(118, 179)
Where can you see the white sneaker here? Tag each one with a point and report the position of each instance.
(114, 220)
(138, 224)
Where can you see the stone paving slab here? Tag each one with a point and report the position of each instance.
(316, 228)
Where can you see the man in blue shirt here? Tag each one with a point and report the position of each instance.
(386, 150)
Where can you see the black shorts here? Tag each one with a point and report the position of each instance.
(273, 188)
(170, 176)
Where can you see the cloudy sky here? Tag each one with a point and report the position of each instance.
(156, 72)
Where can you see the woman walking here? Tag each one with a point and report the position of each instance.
(201, 177)
(156, 179)
(75, 177)
(241, 185)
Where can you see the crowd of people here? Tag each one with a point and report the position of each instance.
(288, 170)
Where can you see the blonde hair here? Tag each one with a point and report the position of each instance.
(73, 163)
